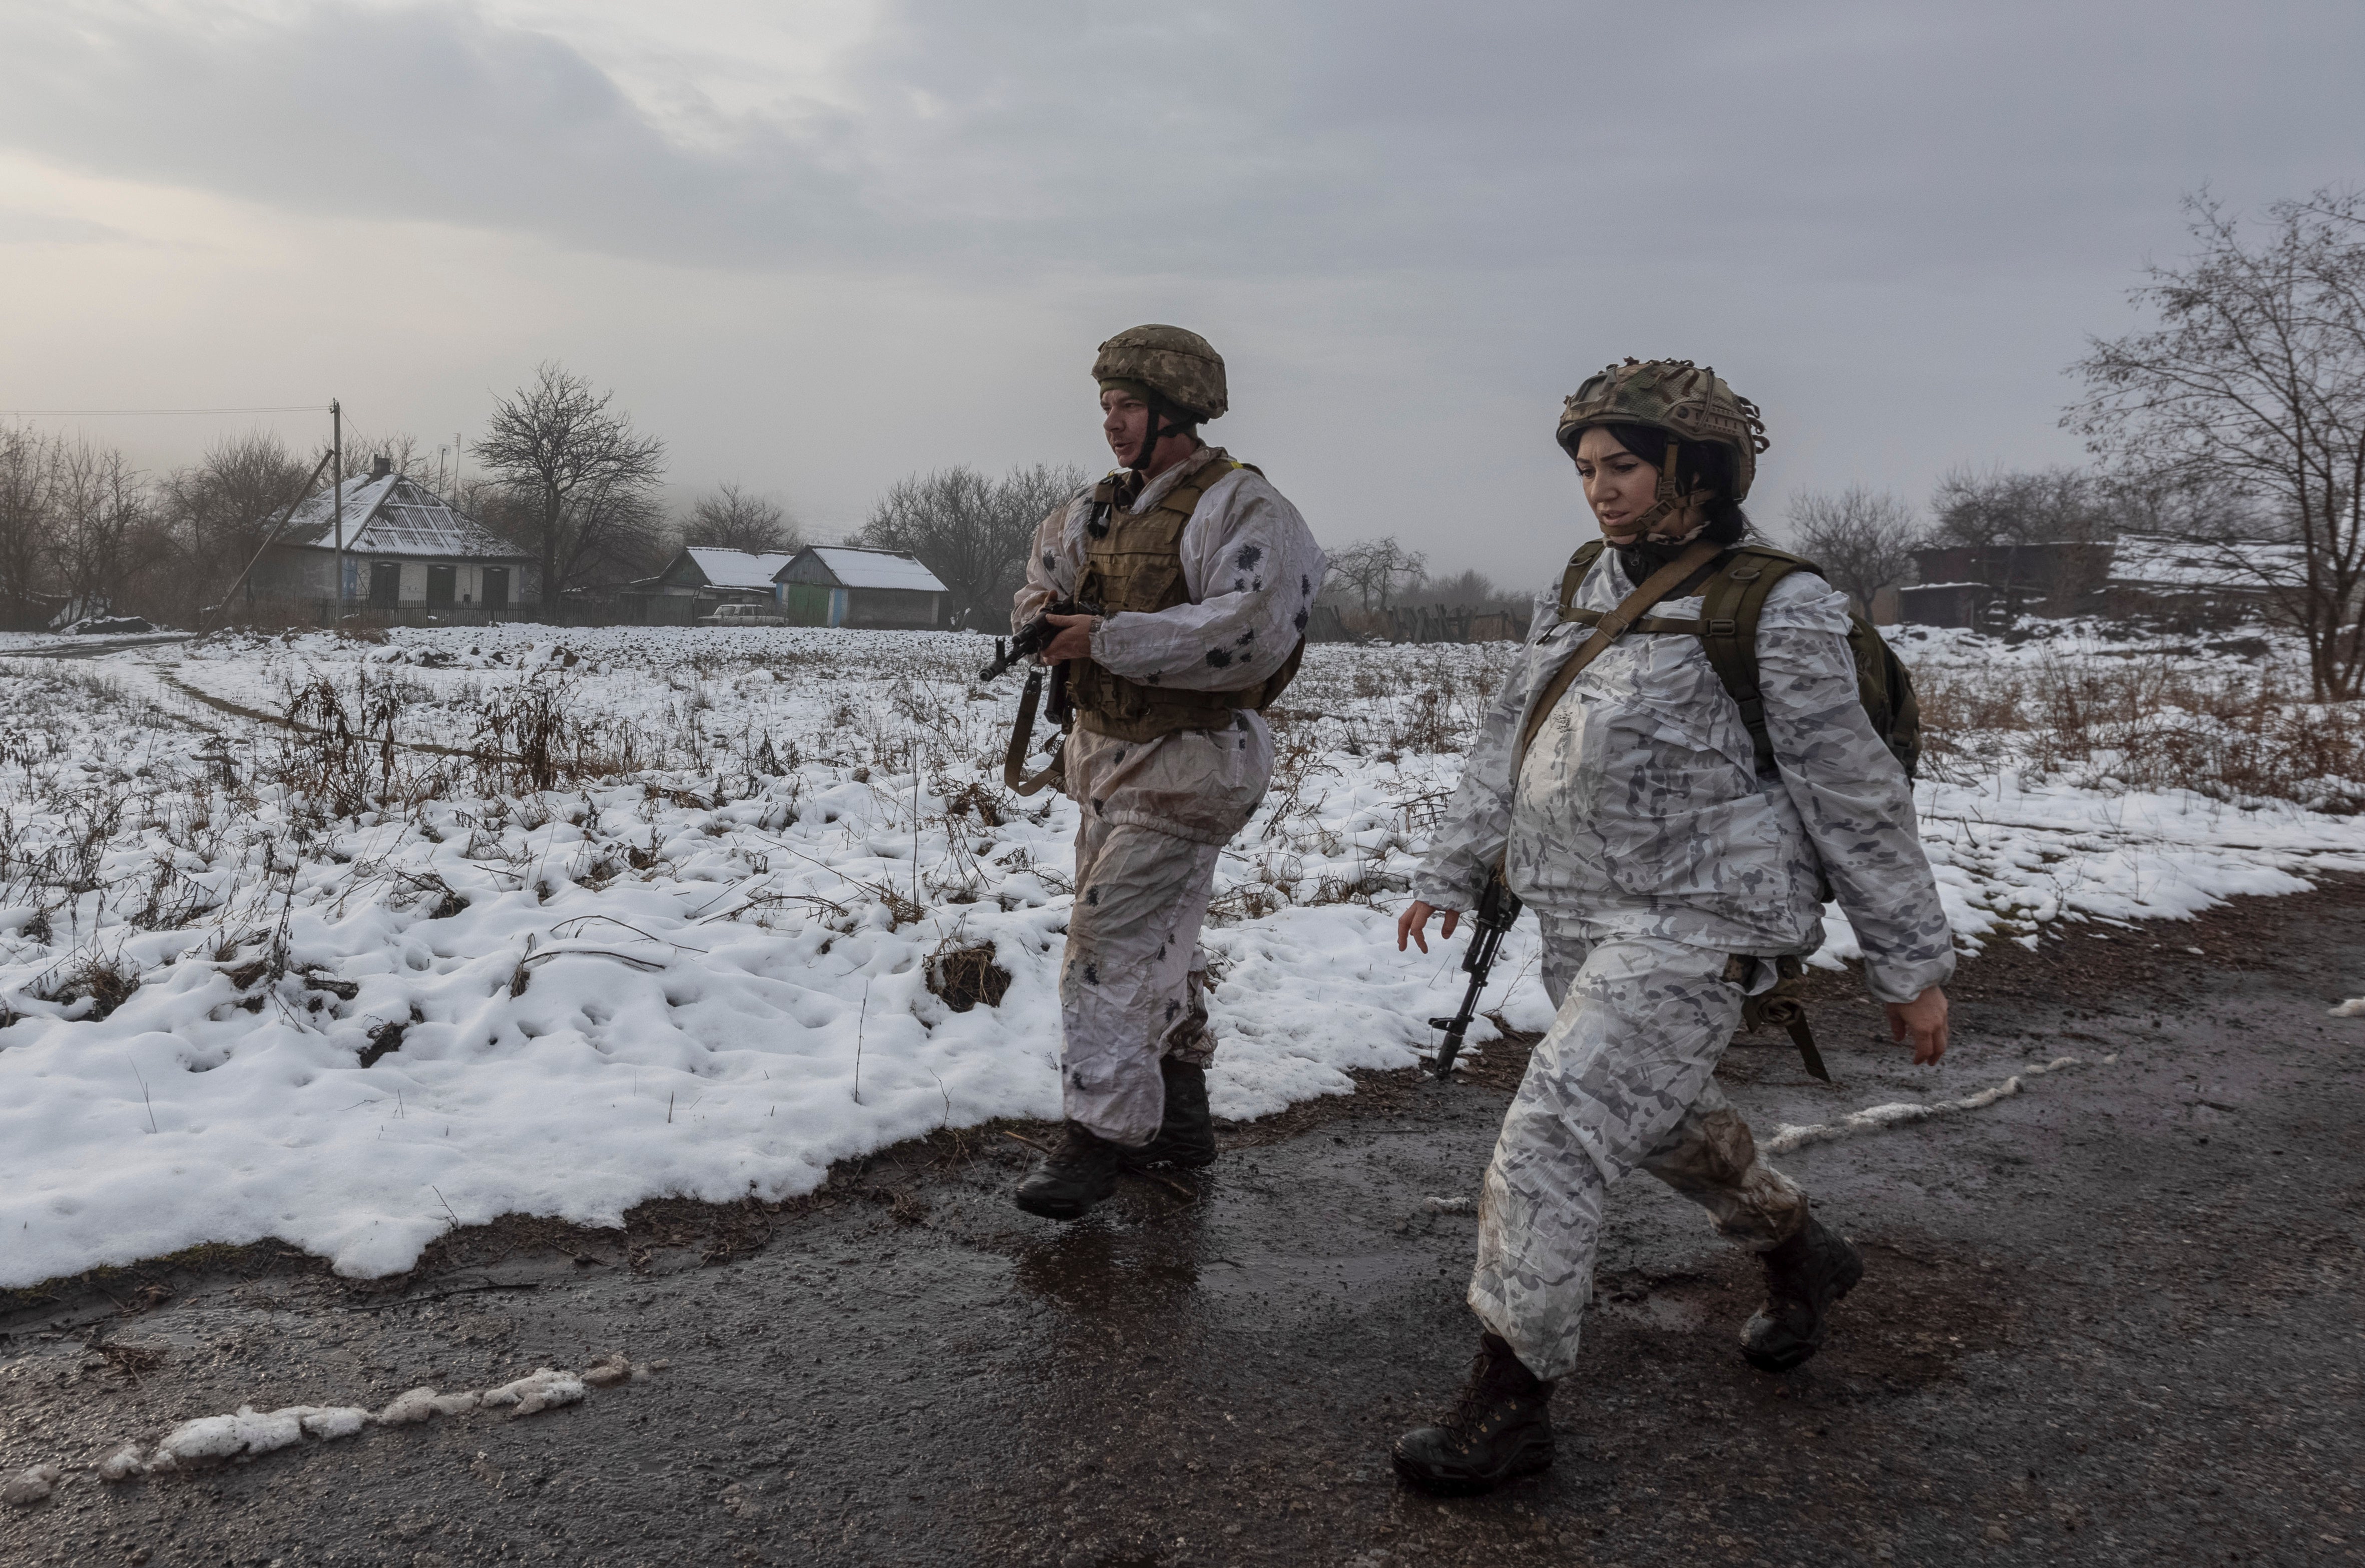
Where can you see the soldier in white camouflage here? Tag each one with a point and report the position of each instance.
(1671, 862)
(1200, 579)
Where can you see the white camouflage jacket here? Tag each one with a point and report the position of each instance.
(1251, 568)
(1640, 812)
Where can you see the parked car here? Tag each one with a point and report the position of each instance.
(744, 615)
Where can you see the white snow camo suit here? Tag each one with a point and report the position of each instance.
(1659, 863)
(1156, 813)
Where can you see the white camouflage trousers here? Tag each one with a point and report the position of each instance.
(1156, 815)
(1623, 1080)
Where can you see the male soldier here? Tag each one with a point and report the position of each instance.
(1676, 845)
(1201, 578)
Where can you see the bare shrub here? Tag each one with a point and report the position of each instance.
(2152, 724)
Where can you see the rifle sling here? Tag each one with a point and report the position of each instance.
(1607, 629)
(1022, 733)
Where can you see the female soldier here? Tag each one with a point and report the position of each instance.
(1628, 807)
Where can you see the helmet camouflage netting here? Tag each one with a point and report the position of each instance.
(1687, 401)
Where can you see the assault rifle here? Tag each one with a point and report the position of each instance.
(1497, 912)
(1032, 638)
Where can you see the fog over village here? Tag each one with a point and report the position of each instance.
(730, 739)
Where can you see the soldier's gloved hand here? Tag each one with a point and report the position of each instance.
(1074, 641)
(1412, 921)
(1924, 1018)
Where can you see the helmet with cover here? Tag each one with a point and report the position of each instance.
(1688, 402)
(1179, 368)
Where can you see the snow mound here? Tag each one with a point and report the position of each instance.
(540, 1390)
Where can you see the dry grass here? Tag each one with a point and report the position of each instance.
(2150, 723)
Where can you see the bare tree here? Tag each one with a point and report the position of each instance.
(1376, 569)
(2253, 384)
(103, 524)
(585, 474)
(973, 532)
(27, 475)
(219, 510)
(1862, 539)
(1999, 506)
(730, 519)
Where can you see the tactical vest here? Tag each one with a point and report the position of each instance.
(1137, 565)
(1735, 587)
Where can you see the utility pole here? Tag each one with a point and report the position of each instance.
(336, 491)
(455, 464)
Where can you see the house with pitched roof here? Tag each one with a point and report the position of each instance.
(406, 550)
(842, 584)
(700, 579)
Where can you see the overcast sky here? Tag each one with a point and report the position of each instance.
(822, 244)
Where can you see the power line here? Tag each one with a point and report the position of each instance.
(83, 413)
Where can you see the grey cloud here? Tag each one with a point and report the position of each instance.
(1837, 141)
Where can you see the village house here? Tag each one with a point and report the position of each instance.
(841, 585)
(699, 578)
(406, 551)
(2155, 578)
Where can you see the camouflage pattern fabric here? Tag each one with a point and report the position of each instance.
(1132, 977)
(1177, 365)
(1640, 807)
(1248, 561)
(1623, 1080)
(1156, 813)
(1652, 852)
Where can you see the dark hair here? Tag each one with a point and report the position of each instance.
(1699, 466)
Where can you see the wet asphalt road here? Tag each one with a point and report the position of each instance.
(2111, 1319)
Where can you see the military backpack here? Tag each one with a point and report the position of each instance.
(1732, 593)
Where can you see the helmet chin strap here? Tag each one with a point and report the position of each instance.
(1667, 501)
(1151, 434)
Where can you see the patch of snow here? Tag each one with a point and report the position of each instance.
(1875, 1118)
(123, 1464)
(540, 1390)
(419, 1404)
(29, 1486)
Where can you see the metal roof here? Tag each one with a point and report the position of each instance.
(395, 515)
(856, 569)
(737, 568)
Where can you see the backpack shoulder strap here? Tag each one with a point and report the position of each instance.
(1578, 564)
(1731, 602)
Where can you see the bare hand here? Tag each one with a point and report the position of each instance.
(1924, 1019)
(1412, 921)
(1074, 641)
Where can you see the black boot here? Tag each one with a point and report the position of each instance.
(1803, 1277)
(1073, 1177)
(1186, 1137)
(1499, 1427)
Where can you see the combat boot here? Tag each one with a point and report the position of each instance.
(1187, 1136)
(1074, 1177)
(1499, 1427)
(1803, 1277)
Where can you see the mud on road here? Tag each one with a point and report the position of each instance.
(2111, 1318)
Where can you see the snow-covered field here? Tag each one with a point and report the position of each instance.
(556, 922)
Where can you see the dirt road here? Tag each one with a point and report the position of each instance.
(2111, 1318)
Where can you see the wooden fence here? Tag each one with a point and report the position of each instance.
(1414, 623)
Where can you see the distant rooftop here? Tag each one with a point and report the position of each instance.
(737, 568)
(392, 514)
(858, 568)
(2159, 560)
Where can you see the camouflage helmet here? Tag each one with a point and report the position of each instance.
(1181, 368)
(1676, 396)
